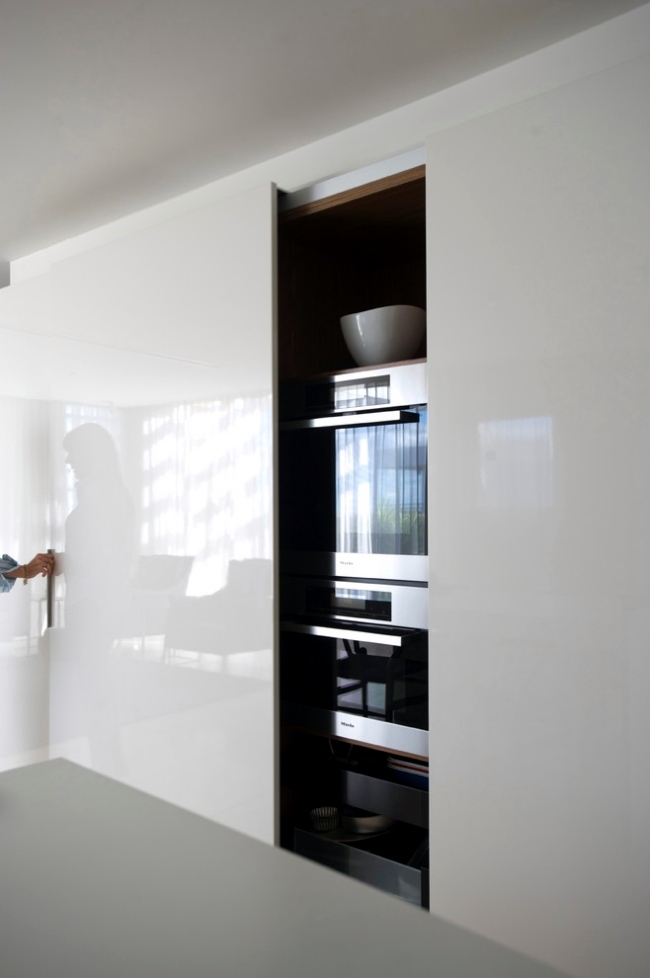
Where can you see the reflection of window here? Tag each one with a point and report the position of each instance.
(381, 488)
(516, 463)
(197, 474)
(204, 484)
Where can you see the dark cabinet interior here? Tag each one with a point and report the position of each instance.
(357, 250)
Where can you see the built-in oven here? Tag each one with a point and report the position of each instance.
(354, 661)
(353, 474)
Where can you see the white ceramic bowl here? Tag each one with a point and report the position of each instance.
(384, 335)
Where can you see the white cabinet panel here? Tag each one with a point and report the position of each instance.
(151, 476)
(539, 355)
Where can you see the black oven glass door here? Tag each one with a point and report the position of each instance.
(357, 489)
(358, 677)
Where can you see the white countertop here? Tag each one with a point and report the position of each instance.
(98, 880)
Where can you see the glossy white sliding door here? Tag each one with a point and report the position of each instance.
(140, 448)
(539, 352)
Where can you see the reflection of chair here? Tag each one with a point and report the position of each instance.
(158, 580)
(236, 618)
(400, 677)
(358, 669)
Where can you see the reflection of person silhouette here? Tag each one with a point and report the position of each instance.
(11, 570)
(97, 566)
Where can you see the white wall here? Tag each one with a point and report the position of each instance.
(539, 351)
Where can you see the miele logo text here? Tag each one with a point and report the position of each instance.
(344, 724)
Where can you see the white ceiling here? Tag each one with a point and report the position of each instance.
(108, 106)
(57, 369)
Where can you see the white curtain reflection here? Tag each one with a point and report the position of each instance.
(197, 474)
(178, 531)
(204, 488)
(381, 488)
(516, 463)
(24, 519)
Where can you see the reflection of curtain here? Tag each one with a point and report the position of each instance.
(24, 513)
(24, 509)
(205, 488)
(381, 488)
(24, 444)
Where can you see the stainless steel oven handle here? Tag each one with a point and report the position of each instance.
(356, 634)
(354, 420)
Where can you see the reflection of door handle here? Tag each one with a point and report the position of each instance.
(50, 594)
(397, 637)
(354, 420)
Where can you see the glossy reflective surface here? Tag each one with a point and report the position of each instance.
(151, 478)
(160, 517)
(540, 520)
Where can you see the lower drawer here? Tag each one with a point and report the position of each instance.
(386, 798)
(395, 861)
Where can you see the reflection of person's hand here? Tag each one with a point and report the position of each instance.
(40, 564)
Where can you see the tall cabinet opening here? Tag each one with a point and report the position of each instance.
(353, 540)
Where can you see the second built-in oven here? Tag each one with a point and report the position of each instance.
(354, 661)
(353, 474)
